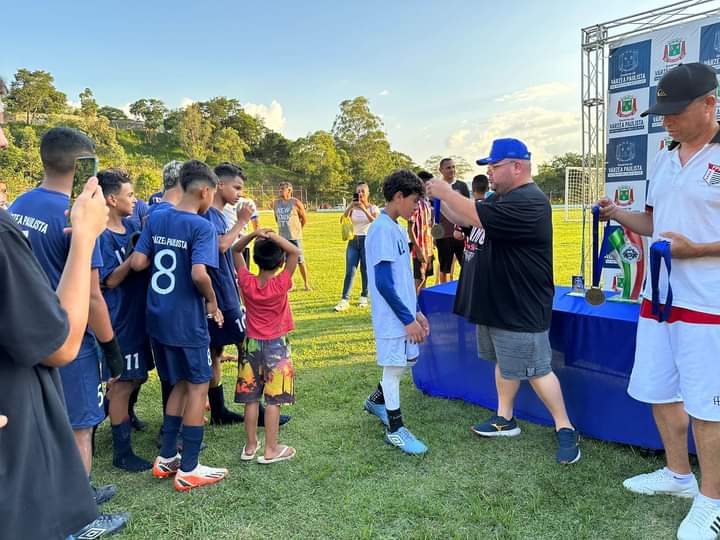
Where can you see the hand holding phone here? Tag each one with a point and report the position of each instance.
(85, 168)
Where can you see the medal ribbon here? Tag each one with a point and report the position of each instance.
(599, 250)
(436, 208)
(660, 251)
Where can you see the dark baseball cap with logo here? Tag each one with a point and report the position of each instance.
(681, 86)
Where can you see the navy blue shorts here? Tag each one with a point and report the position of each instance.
(137, 361)
(174, 364)
(82, 388)
(232, 331)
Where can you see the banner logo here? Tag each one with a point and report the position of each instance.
(716, 43)
(628, 61)
(624, 196)
(625, 151)
(627, 106)
(674, 51)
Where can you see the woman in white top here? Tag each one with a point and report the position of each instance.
(361, 213)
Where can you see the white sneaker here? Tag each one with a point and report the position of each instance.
(342, 305)
(363, 302)
(702, 521)
(661, 482)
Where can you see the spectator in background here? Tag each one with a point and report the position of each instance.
(449, 248)
(230, 210)
(362, 214)
(421, 242)
(46, 493)
(480, 187)
(291, 219)
(3, 196)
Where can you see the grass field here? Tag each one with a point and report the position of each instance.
(346, 483)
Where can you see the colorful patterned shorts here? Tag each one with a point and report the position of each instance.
(266, 368)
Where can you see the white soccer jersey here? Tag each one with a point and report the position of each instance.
(686, 200)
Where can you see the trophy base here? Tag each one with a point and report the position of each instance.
(618, 298)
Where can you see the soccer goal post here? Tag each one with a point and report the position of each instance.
(582, 189)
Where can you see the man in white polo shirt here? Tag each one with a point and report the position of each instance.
(676, 361)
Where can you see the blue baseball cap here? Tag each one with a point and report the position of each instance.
(505, 149)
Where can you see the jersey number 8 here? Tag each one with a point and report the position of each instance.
(163, 270)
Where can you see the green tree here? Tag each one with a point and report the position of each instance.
(463, 169)
(219, 110)
(551, 175)
(112, 113)
(227, 146)
(354, 122)
(152, 112)
(20, 165)
(250, 128)
(273, 148)
(194, 133)
(88, 105)
(33, 92)
(172, 119)
(316, 157)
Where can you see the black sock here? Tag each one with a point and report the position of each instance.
(132, 401)
(395, 419)
(166, 389)
(377, 396)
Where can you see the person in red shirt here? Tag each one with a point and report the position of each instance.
(266, 366)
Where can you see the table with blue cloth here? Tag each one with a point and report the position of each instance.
(593, 351)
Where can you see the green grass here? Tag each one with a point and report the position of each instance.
(346, 483)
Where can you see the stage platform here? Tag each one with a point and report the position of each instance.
(593, 351)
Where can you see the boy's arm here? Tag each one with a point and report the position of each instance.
(292, 252)
(301, 212)
(225, 241)
(241, 244)
(118, 275)
(386, 287)
(202, 281)
(99, 321)
(140, 258)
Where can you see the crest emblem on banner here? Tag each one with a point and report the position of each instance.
(627, 106)
(624, 196)
(625, 151)
(628, 61)
(674, 51)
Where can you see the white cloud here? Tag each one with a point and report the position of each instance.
(73, 104)
(539, 91)
(184, 102)
(547, 133)
(126, 109)
(384, 93)
(271, 115)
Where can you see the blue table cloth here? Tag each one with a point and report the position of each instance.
(593, 351)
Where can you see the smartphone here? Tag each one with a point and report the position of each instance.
(85, 168)
(356, 197)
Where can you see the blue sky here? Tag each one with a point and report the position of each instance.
(446, 77)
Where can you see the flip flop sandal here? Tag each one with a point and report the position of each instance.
(250, 457)
(287, 453)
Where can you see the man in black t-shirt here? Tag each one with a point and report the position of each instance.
(506, 287)
(449, 248)
(45, 491)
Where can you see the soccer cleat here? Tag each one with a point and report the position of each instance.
(497, 426)
(342, 305)
(103, 525)
(363, 302)
(137, 424)
(378, 410)
(226, 418)
(104, 493)
(164, 468)
(568, 450)
(198, 477)
(702, 521)
(405, 441)
(661, 482)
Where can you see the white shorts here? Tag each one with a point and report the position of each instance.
(396, 352)
(678, 362)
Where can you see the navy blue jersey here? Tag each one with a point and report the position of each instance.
(155, 198)
(140, 212)
(224, 277)
(126, 302)
(174, 241)
(157, 207)
(40, 213)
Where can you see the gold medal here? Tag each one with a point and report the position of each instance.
(594, 296)
(437, 231)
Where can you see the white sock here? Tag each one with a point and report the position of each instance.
(391, 386)
(680, 478)
(714, 502)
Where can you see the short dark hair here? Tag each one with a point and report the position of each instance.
(196, 173)
(227, 169)
(61, 146)
(443, 161)
(425, 176)
(404, 181)
(111, 180)
(267, 254)
(480, 183)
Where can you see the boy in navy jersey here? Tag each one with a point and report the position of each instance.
(40, 213)
(181, 246)
(124, 292)
(225, 285)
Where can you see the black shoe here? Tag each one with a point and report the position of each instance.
(137, 424)
(284, 418)
(104, 525)
(104, 493)
(123, 456)
(131, 463)
(226, 418)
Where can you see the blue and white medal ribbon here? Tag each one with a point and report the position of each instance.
(660, 251)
